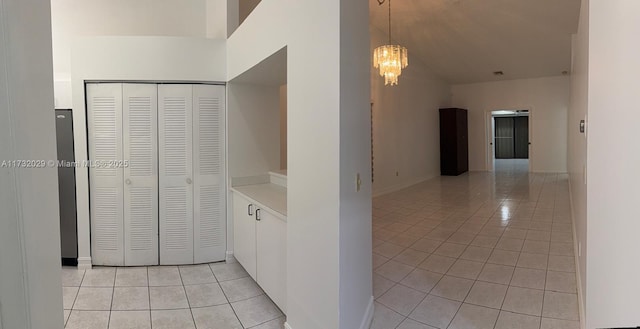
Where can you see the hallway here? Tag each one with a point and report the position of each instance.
(482, 250)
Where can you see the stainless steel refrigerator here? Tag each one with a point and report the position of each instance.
(67, 188)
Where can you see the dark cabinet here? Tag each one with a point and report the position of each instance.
(454, 142)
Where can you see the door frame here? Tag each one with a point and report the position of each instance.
(489, 132)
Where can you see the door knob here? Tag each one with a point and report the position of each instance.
(188, 180)
(127, 181)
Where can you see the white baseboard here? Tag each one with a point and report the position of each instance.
(581, 306)
(366, 320)
(368, 315)
(84, 263)
(400, 186)
(229, 258)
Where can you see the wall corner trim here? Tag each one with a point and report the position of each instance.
(368, 315)
(84, 263)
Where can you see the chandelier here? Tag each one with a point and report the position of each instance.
(390, 58)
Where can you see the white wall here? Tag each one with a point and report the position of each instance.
(613, 283)
(72, 19)
(131, 58)
(546, 98)
(283, 127)
(322, 230)
(254, 129)
(30, 291)
(577, 147)
(406, 128)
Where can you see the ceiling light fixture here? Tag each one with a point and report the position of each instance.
(390, 58)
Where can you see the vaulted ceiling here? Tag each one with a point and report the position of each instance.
(465, 41)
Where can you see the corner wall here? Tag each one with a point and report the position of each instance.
(577, 148)
(548, 100)
(406, 126)
(613, 284)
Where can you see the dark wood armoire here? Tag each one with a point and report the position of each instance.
(454, 142)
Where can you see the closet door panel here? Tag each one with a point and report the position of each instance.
(175, 173)
(140, 124)
(209, 168)
(104, 118)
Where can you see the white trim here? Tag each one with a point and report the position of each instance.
(488, 137)
(84, 263)
(400, 186)
(287, 326)
(581, 305)
(368, 315)
(230, 259)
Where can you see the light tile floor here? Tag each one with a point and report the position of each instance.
(217, 295)
(477, 251)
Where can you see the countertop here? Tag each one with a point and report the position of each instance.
(268, 195)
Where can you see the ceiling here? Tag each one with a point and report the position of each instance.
(465, 41)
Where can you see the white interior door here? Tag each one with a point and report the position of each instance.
(104, 115)
(140, 125)
(209, 173)
(175, 173)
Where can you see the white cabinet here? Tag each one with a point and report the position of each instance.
(244, 233)
(260, 245)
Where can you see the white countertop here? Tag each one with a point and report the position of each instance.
(269, 195)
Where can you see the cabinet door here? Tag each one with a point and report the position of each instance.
(209, 220)
(272, 257)
(175, 173)
(140, 143)
(244, 233)
(104, 118)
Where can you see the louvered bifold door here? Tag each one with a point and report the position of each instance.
(175, 173)
(209, 180)
(140, 124)
(104, 114)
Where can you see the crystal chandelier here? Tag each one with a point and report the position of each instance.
(390, 59)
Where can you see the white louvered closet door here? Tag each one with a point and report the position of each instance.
(209, 180)
(175, 173)
(104, 114)
(140, 124)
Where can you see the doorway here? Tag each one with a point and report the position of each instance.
(509, 138)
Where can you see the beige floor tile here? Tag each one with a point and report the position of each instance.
(130, 299)
(508, 320)
(172, 319)
(560, 305)
(448, 249)
(240, 289)
(388, 250)
(130, 320)
(426, 245)
(465, 269)
(411, 324)
(196, 274)
(496, 273)
(535, 261)
(452, 288)
(473, 316)
(394, 271)
(478, 254)
(561, 282)
(529, 278)
(437, 264)
(168, 298)
(420, 280)
(435, 311)
(536, 247)
(161, 276)
(256, 310)
(485, 241)
(93, 299)
(487, 294)
(411, 257)
(99, 277)
(69, 296)
(504, 257)
(401, 299)
(562, 263)
(88, 319)
(72, 277)
(524, 301)
(559, 324)
(273, 324)
(385, 318)
(228, 271)
(381, 285)
(132, 277)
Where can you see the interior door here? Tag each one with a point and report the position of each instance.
(504, 139)
(209, 187)
(104, 118)
(521, 137)
(175, 173)
(140, 108)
